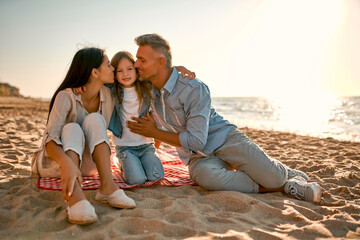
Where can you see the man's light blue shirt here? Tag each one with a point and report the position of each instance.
(184, 106)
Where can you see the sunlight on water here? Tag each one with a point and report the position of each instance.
(313, 115)
(308, 114)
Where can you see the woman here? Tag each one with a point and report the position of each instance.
(75, 137)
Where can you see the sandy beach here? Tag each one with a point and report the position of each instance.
(185, 212)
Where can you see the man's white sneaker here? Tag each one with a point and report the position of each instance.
(303, 190)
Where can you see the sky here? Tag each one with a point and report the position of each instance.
(278, 49)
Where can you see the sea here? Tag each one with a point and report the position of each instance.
(337, 118)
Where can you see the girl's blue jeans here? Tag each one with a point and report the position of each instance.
(139, 163)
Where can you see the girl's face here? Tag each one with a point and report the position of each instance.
(106, 71)
(126, 73)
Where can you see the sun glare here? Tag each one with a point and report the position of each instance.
(309, 112)
(286, 46)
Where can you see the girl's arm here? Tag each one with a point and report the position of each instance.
(184, 71)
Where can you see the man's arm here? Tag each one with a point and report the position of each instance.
(197, 108)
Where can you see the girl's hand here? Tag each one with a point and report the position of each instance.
(184, 71)
(69, 175)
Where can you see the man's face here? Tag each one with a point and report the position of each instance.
(147, 63)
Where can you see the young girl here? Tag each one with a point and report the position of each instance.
(76, 137)
(137, 154)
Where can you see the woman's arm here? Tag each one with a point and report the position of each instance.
(69, 171)
(57, 120)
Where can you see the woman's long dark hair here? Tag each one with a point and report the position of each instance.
(84, 61)
(142, 87)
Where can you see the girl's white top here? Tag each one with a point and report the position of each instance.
(130, 108)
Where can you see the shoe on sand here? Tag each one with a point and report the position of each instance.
(293, 173)
(81, 213)
(117, 199)
(303, 190)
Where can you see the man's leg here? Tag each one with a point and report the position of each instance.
(214, 174)
(242, 154)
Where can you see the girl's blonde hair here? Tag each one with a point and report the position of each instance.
(142, 87)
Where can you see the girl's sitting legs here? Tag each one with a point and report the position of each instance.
(140, 163)
(133, 171)
(151, 163)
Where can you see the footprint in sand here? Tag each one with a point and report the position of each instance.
(4, 165)
(178, 216)
(226, 202)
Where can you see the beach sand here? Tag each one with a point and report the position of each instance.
(186, 212)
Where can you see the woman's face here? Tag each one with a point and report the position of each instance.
(126, 73)
(106, 71)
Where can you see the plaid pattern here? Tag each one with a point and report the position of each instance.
(176, 174)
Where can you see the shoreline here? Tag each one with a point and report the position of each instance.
(42, 104)
(185, 212)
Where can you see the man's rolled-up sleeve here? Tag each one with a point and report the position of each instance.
(197, 108)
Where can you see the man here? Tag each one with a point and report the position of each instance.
(211, 146)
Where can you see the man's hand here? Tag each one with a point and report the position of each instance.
(79, 90)
(145, 126)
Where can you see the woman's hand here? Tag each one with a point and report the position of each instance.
(69, 175)
(184, 71)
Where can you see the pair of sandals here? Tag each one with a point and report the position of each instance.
(83, 212)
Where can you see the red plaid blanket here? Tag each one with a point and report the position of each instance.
(176, 174)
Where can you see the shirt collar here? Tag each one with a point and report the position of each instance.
(170, 84)
(102, 96)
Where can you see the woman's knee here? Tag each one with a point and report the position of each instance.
(94, 120)
(95, 129)
(72, 138)
(72, 129)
